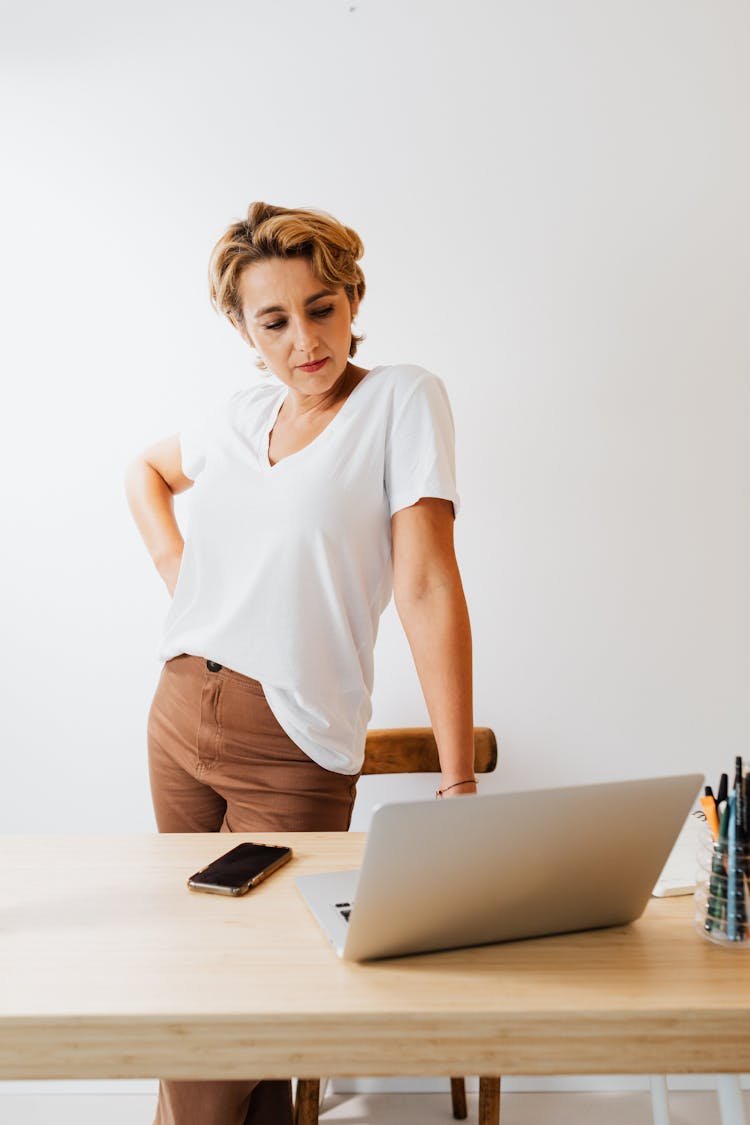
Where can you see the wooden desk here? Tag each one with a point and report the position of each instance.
(110, 967)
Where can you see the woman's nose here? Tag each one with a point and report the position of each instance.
(306, 337)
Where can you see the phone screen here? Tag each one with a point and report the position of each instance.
(241, 868)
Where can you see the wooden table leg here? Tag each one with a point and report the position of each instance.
(489, 1101)
(458, 1098)
(306, 1102)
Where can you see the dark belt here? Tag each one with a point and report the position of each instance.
(213, 666)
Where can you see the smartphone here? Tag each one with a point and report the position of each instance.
(241, 869)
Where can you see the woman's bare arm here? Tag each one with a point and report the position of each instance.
(151, 481)
(431, 604)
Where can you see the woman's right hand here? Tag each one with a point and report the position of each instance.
(152, 480)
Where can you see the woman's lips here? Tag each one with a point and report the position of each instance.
(313, 366)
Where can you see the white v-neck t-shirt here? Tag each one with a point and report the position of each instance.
(287, 568)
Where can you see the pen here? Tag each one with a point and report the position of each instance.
(743, 917)
(721, 792)
(739, 789)
(733, 922)
(716, 906)
(708, 804)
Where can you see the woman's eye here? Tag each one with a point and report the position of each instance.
(320, 313)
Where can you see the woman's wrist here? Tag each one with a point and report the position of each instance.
(455, 788)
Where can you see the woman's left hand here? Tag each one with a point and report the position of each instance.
(432, 607)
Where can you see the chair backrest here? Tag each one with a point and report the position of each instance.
(414, 750)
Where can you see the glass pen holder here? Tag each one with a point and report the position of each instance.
(722, 893)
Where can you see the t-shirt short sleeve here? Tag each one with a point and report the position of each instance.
(420, 448)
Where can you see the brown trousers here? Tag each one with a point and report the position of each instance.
(220, 762)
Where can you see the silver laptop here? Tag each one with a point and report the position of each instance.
(501, 866)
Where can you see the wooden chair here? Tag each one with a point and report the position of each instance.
(414, 750)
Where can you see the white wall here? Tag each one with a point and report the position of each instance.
(553, 200)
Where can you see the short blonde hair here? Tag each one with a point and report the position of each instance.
(284, 232)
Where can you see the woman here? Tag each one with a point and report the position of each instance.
(317, 494)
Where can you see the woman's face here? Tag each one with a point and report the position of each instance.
(293, 320)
